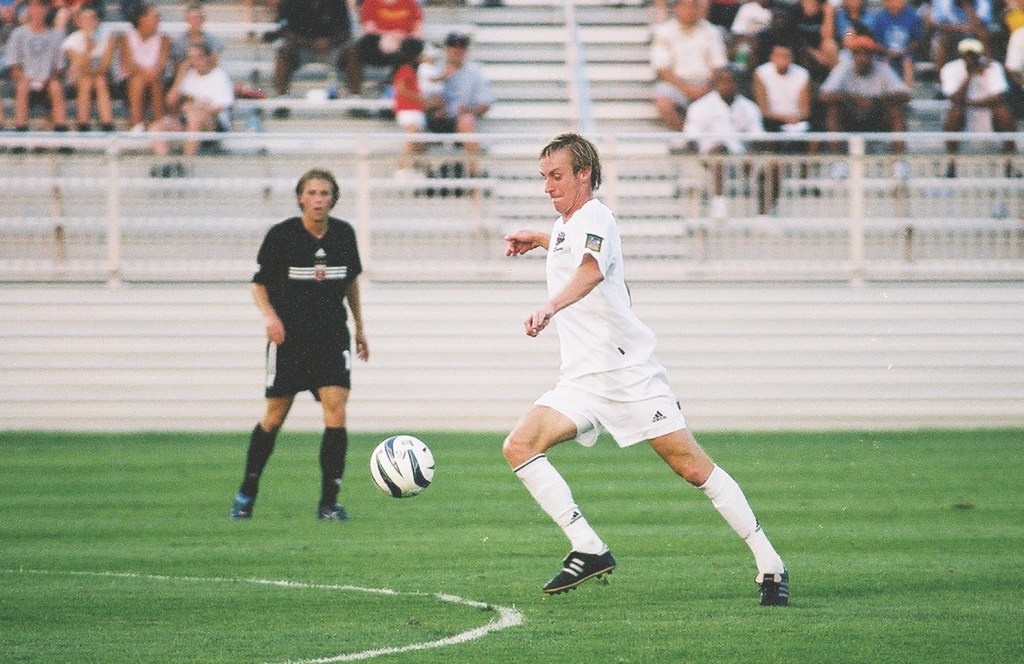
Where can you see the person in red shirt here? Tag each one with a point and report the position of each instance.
(409, 112)
(392, 32)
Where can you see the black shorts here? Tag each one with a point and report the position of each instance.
(295, 367)
(441, 124)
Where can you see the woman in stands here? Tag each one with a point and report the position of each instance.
(144, 55)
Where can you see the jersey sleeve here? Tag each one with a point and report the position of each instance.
(596, 236)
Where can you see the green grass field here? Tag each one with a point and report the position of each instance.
(903, 546)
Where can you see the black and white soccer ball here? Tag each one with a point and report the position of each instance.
(402, 466)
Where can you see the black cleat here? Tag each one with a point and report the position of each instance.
(577, 568)
(333, 512)
(775, 589)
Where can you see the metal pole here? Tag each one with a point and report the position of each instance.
(114, 248)
(857, 252)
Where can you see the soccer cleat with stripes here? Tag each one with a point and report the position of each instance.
(577, 568)
(242, 507)
(775, 589)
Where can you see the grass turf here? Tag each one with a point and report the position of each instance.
(902, 546)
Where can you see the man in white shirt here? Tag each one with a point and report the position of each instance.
(977, 88)
(685, 50)
(202, 94)
(610, 379)
(715, 122)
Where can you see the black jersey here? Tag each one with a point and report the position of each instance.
(307, 278)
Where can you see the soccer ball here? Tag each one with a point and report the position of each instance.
(402, 466)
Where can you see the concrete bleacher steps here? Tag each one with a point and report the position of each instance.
(453, 356)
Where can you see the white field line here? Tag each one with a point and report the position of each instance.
(507, 617)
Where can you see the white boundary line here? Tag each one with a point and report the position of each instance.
(507, 617)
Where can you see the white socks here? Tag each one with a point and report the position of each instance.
(728, 499)
(552, 493)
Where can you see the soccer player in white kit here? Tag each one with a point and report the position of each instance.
(610, 379)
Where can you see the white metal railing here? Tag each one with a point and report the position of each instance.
(98, 208)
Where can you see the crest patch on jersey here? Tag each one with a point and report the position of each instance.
(594, 242)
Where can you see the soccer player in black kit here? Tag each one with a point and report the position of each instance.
(308, 266)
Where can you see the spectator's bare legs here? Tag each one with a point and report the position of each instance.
(348, 62)
(896, 120)
(669, 113)
(1004, 122)
(139, 86)
(465, 123)
(955, 119)
(58, 105)
(198, 117)
(833, 123)
(21, 90)
(285, 63)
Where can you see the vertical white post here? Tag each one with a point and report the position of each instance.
(610, 173)
(363, 203)
(857, 252)
(114, 248)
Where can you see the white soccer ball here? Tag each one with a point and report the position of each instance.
(402, 466)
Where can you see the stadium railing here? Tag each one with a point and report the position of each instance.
(104, 208)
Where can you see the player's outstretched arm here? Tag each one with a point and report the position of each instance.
(525, 240)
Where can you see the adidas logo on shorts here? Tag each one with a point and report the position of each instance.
(658, 417)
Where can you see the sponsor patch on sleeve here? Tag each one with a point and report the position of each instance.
(594, 243)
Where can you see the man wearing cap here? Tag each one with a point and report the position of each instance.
(977, 89)
(465, 97)
(863, 93)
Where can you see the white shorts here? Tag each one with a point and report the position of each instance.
(633, 404)
(417, 119)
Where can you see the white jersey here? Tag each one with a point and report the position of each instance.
(600, 332)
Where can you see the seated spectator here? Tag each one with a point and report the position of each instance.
(846, 15)
(812, 24)
(200, 98)
(685, 50)
(900, 31)
(711, 119)
(1015, 70)
(315, 31)
(863, 94)
(144, 52)
(752, 18)
(90, 52)
(977, 88)
(782, 91)
(409, 113)
(466, 96)
(36, 65)
(392, 31)
(951, 21)
(8, 22)
(195, 33)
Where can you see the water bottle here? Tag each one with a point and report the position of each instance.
(254, 120)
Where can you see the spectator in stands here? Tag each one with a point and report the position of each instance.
(200, 101)
(782, 91)
(685, 50)
(195, 33)
(863, 94)
(409, 113)
(977, 88)
(812, 24)
(90, 52)
(1015, 70)
(900, 31)
(711, 118)
(722, 12)
(752, 17)
(950, 21)
(466, 96)
(35, 60)
(845, 15)
(315, 31)
(8, 22)
(392, 32)
(144, 52)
